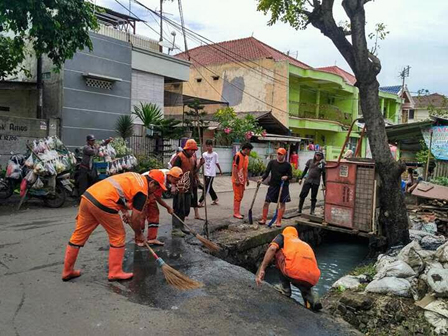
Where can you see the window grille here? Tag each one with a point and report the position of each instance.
(98, 83)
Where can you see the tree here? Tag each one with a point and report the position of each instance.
(124, 126)
(169, 128)
(196, 118)
(366, 66)
(232, 129)
(55, 28)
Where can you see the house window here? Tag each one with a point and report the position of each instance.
(411, 114)
(46, 75)
(4, 108)
(198, 80)
(215, 77)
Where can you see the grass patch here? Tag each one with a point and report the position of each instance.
(368, 269)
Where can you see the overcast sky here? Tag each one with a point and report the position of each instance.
(417, 36)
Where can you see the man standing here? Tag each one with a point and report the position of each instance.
(100, 204)
(239, 177)
(87, 174)
(280, 171)
(152, 212)
(297, 264)
(211, 161)
(315, 168)
(188, 190)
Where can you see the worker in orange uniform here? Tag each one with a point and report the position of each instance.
(187, 195)
(100, 204)
(172, 176)
(239, 177)
(297, 264)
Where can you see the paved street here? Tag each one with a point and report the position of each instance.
(34, 300)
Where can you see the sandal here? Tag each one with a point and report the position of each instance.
(215, 202)
(260, 222)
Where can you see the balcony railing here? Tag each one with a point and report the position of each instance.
(136, 40)
(326, 112)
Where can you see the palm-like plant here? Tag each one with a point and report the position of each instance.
(150, 114)
(124, 126)
(169, 128)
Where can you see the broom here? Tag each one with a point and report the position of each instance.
(207, 243)
(174, 277)
(274, 218)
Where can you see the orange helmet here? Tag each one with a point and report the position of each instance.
(191, 144)
(158, 176)
(175, 172)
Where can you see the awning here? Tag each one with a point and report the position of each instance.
(275, 137)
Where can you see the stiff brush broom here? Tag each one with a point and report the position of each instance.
(172, 276)
(211, 246)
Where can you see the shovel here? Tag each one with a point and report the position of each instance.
(249, 215)
(274, 218)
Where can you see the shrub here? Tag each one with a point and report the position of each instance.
(443, 181)
(256, 166)
(146, 162)
(296, 173)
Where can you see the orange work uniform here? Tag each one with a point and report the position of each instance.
(101, 203)
(152, 214)
(240, 165)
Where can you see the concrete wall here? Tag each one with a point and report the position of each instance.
(262, 86)
(146, 88)
(86, 109)
(16, 132)
(19, 98)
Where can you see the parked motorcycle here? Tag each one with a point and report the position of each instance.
(14, 175)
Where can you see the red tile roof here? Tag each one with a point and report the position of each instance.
(246, 49)
(348, 77)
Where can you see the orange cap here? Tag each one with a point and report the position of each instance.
(191, 144)
(159, 177)
(175, 172)
(281, 151)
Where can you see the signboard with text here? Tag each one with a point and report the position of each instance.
(439, 141)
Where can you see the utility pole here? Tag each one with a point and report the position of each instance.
(403, 74)
(40, 93)
(161, 27)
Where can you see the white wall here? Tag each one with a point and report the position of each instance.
(146, 88)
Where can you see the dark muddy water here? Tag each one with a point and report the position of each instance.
(335, 259)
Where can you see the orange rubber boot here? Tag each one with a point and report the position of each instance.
(71, 253)
(236, 209)
(265, 216)
(116, 255)
(279, 217)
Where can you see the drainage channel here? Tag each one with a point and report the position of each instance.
(336, 253)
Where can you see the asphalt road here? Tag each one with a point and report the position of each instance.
(34, 300)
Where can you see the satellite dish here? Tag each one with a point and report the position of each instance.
(166, 44)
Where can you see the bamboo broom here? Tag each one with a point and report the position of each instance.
(174, 277)
(211, 246)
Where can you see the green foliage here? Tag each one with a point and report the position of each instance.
(124, 126)
(296, 173)
(150, 114)
(441, 180)
(287, 11)
(368, 270)
(148, 162)
(379, 34)
(169, 128)
(256, 166)
(195, 118)
(121, 147)
(233, 129)
(422, 155)
(435, 111)
(340, 289)
(55, 28)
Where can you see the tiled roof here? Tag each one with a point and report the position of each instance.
(435, 99)
(237, 51)
(395, 89)
(347, 76)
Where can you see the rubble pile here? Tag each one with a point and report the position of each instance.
(432, 213)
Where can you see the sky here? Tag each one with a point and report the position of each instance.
(417, 35)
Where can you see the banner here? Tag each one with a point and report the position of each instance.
(439, 146)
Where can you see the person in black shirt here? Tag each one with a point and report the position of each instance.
(315, 168)
(280, 170)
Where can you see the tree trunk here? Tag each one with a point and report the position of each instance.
(393, 217)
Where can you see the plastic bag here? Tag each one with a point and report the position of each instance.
(31, 177)
(39, 168)
(49, 168)
(38, 184)
(13, 171)
(30, 161)
(59, 166)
